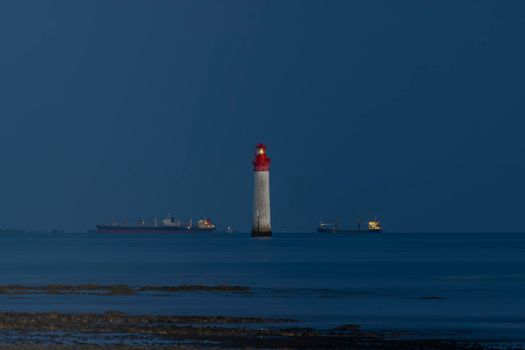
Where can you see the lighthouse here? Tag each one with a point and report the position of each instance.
(261, 225)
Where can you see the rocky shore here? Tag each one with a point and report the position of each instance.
(117, 330)
(115, 289)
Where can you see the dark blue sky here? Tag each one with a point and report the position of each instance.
(413, 111)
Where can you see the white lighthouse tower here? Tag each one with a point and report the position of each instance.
(261, 226)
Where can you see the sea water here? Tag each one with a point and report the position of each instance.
(469, 286)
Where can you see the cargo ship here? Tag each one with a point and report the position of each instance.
(333, 227)
(166, 225)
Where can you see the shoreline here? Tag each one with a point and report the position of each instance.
(118, 330)
(105, 328)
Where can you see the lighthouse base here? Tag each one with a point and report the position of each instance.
(261, 233)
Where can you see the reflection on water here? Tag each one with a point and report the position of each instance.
(472, 285)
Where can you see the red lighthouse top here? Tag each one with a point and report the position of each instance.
(261, 162)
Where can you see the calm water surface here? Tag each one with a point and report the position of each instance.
(460, 285)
